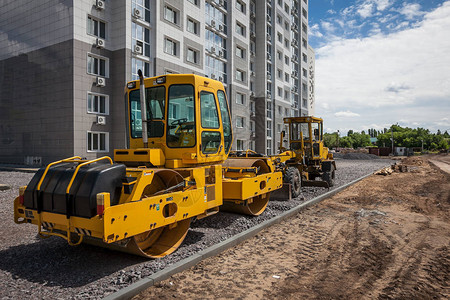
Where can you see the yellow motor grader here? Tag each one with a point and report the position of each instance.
(306, 158)
(175, 169)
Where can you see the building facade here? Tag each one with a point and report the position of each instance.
(64, 65)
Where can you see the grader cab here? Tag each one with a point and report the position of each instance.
(306, 157)
(175, 169)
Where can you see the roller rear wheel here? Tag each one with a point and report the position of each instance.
(255, 205)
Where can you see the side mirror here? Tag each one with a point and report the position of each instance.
(283, 133)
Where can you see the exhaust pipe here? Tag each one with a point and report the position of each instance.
(143, 109)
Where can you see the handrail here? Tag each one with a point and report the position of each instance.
(83, 164)
(70, 159)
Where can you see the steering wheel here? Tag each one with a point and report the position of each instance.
(179, 121)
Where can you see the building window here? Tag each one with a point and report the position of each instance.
(240, 75)
(304, 28)
(286, 8)
(286, 43)
(286, 95)
(279, 55)
(305, 57)
(279, 20)
(280, 37)
(304, 13)
(305, 73)
(240, 6)
(96, 28)
(240, 122)
(240, 29)
(170, 14)
(137, 64)
(286, 77)
(286, 60)
(239, 145)
(240, 98)
(286, 112)
(192, 26)
(192, 56)
(278, 128)
(269, 129)
(97, 141)
(304, 43)
(143, 7)
(195, 2)
(286, 25)
(240, 52)
(97, 104)
(170, 46)
(279, 73)
(97, 65)
(141, 37)
(280, 92)
(280, 3)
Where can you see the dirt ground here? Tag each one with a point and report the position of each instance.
(386, 237)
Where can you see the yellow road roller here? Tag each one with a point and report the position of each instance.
(174, 170)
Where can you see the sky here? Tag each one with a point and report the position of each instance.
(381, 62)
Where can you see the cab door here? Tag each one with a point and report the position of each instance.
(210, 125)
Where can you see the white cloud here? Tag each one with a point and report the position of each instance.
(386, 77)
(327, 26)
(382, 4)
(314, 31)
(411, 10)
(346, 114)
(365, 10)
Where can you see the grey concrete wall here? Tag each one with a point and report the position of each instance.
(36, 107)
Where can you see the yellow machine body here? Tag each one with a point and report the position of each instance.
(181, 173)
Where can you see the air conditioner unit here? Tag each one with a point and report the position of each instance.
(252, 34)
(213, 23)
(252, 73)
(269, 38)
(101, 120)
(100, 4)
(221, 28)
(269, 56)
(220, 78)
(252, 94)
(100, 43)
(137, 49)
(137, 13)
(269, 95)
(213, 50)
(253, 134)
(213, 76)
(252, 53)
(269, 19)
(100, 81)
(295, 73)
(252, 114)
(269, 77)
(252, 14)
(221, 2)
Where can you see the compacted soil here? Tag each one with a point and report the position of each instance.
(385, 237)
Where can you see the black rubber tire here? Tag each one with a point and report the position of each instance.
(292, 176)
(329, 178)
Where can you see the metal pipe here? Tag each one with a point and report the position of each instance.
(143, 109)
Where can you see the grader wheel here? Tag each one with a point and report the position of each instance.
(255, 205)
(292, 176)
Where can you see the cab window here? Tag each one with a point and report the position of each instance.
(227, 134)
(180, 116)
(155, 98)
(208, 108)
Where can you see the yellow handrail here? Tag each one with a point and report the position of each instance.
(70, 159)
(83, 164)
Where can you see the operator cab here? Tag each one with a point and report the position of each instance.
(188, 121)
(307, 133)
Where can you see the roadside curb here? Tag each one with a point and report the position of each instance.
(141, 285)
(19, 169)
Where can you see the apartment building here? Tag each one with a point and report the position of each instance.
(64, 65)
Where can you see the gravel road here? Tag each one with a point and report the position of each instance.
(33, 268)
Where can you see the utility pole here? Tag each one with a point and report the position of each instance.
(338, 138)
